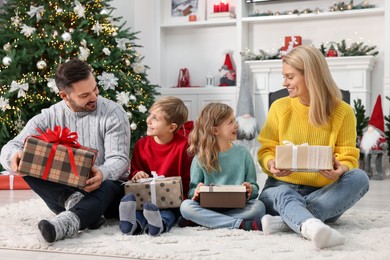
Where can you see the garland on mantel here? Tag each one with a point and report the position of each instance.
(336, 7)
(355, 49)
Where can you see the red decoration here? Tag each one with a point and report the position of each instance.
(289, 43)
(59, 136)
(216, 8)
(332, 52)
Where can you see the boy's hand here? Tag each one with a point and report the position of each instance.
(249, 189)
(140, 175)
(196, 192)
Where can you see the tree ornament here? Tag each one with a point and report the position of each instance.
(7, 61)
(66, 36)
(127, 62)
(7, 47)
(41, 65)
(133, 126)
(129, 114)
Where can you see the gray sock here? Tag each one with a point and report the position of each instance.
(73, 200)
(65, 224)
(127, 215)
(153, 216)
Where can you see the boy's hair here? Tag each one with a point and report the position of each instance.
(70, 72)
(202, 140)
(174, 109)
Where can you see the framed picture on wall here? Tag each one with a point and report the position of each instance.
(179, 11)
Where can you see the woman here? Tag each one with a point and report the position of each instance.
(314, 113)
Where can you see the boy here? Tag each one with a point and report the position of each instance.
(164, 151)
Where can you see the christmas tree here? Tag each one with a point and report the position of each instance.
(37, 36)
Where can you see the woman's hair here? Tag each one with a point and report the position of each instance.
(323, 91)
(70, 72)
(174, 109)
(202, 140)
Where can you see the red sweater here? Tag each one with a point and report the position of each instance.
(169, 159)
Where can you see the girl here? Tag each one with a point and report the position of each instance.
(218, 161)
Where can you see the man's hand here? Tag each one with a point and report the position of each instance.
(196, 192)
(15, 160)
(249, 189)
(140, 175)
(95, 180)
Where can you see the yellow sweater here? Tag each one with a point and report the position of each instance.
(288, 119)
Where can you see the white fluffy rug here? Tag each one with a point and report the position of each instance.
(367, 237)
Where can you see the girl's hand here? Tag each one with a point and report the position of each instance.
(196, 192)
(276, 172)
(337, 171)
(139, 175)
(249, 189)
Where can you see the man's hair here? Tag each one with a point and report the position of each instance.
(174, 109)
(71, 72)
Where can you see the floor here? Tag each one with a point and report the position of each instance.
(378, 198)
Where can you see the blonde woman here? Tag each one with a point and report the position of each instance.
(218, 161)
(313, 113)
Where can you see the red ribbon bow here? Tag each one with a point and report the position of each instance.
(59, 136)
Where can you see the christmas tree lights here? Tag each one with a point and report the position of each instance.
(36, 37)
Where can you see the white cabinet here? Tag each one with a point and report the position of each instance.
(200, 46)
(196, 98)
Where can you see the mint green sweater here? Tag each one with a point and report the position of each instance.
(237, 167)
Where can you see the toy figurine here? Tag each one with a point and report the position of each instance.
(373, 142)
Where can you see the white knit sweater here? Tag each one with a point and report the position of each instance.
(106, 129)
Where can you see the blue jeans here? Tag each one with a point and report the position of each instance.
(297, 203)
(101, 202)
(221, 218)
(168, 217)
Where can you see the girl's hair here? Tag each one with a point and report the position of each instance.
(70, 72)
(323, 91)
(202, 140)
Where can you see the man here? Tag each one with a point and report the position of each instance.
(101, 124)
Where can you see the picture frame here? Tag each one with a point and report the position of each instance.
(179, 11)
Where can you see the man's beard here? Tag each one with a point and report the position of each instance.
(89, 107)
(369, 140)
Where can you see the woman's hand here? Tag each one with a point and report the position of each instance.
(249, 189)
(139, 175)
(196, 192)
(276, 172)
(337, 171)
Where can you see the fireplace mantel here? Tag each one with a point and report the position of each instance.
(350, 73)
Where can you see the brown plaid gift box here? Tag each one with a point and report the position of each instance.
(163, 192)
(35, 157)
(304, 157)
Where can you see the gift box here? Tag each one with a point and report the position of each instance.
(304, 157)
(222, 196)
(57, 162)
(13, 182)
(163, 192)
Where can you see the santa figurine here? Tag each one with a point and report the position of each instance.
(227, 73)
(373, 141)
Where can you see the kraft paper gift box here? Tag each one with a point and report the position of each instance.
(35, 157)
(304, 157)
(12, 182)
(163, 192)
(222, 196)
